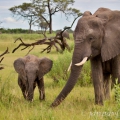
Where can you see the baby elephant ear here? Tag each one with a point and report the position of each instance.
(19, 66)
(45, 66)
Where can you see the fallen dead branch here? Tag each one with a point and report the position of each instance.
(6, 52)
(53, 41)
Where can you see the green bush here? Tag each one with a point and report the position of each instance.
(117, 93)
(5, 88)
(59, 70)
(60, 66)
(85, 76)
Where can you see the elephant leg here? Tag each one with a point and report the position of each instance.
(23, 88)
(97, 75)
(107, 85)
(41, 88)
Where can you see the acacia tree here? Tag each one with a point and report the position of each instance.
(41, 24)
(44, 9)
(47, 8)
(24, 11)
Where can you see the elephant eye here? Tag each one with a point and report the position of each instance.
(91, 38)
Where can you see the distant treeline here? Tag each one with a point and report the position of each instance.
(19, 30)
(16, 30)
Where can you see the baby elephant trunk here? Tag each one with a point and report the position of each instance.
(30, 92)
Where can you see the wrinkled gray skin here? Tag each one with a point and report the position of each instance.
(31, 70)
(64, 34)
(97, 37)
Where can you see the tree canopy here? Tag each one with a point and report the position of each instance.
(43, 10)
(24, 11)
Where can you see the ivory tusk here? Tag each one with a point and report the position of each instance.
(41, 93)
(69, 66)
(26, 93)
(82, 62)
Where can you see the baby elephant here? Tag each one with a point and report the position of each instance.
(31, 70)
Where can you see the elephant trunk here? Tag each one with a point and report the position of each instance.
(68, 87)
(75, 71)
(30, 89)
(30, 94)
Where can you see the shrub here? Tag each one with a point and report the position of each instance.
(60, 66)
(85, 76)
(6, 96)
(117, 93)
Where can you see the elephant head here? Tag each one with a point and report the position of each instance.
(95, 35)
(31, 70)
(64, 34)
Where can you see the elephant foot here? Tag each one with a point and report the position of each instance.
(42, 98)
(29, 100)
(107, 97)
(99, 103)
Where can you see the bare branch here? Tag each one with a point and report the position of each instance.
(52, 42)
(24, 44)
(1, 68)
(6, 52)
(1, 59)
(30, 50)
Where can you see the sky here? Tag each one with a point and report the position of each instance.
(59, 21)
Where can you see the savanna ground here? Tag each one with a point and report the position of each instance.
(79, 105)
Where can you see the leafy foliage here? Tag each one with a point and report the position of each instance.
(117, 93)
(42, 11)
(60, 66)
(24, 11)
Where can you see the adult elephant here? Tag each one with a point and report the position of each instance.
(31, 70)
(65, 34)
(97, 37)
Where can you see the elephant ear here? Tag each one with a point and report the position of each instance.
(87, 13)
(111, 41)
(45, 66)
(19, 66)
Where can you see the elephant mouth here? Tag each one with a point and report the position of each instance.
(80, 63)
(85, 59)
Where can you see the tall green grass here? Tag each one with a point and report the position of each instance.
(60, 71)
(117, 94)
(79, 104)
(12, 37)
